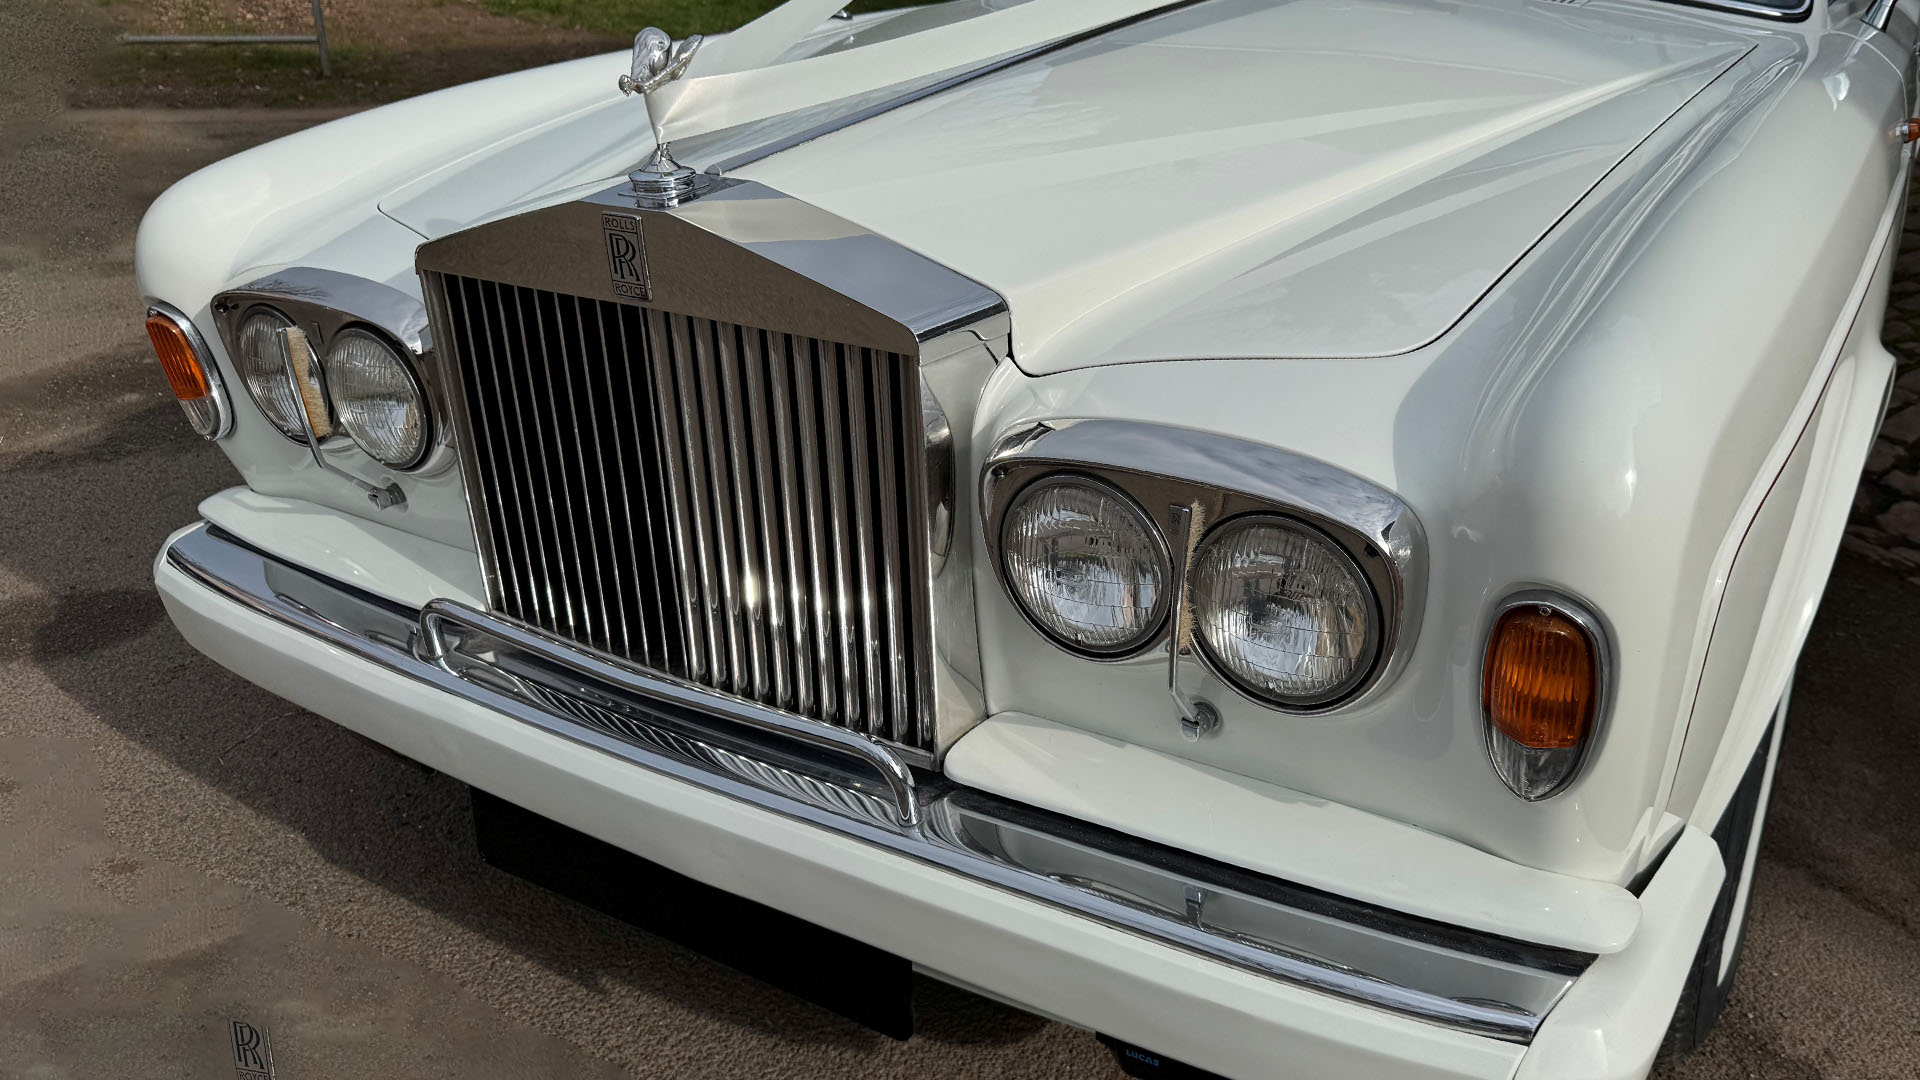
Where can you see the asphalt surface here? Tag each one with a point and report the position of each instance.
(179, 850)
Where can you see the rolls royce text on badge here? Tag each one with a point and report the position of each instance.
(1277, 531)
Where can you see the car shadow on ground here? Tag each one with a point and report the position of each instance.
(89, 516)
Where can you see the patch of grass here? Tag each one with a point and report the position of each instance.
(382, 50)
(218, 75)
(676, 17)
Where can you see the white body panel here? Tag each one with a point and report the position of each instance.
(370, 555)
(1595, 290)
(1347, 179)
(1259, 826)
(1611, 1023)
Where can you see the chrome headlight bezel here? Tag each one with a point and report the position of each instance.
(326, 304)
(1190, 482)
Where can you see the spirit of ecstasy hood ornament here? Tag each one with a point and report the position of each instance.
(658, 60)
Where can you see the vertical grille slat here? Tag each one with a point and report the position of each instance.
(824, 570)
(728, 504)
(756, 372)
(749, 630)
(886, 431)
(663, 601)
(551, 534)
(859, 476)
(625, 634)
(686, 470)
(518, 519)
(845, 576)
(794, 524)
(719, 551)
(506, 582)
(568, 468)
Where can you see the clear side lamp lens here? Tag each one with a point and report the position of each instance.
(1540, 689)
(203, 415)
(1283, 612)
(1085, 564)
(380, 404)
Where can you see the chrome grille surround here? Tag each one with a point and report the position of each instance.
(743, 481)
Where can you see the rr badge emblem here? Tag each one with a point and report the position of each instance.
(626, 257)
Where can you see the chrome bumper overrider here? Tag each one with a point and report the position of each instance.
(858, 788)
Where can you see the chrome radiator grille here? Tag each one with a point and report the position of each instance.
(737, 507)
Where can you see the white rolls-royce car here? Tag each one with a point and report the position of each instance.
(1276, 531)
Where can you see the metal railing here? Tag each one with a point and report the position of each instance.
(317, 39)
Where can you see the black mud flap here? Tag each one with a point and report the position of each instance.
(1151, 1066)
(856, 980)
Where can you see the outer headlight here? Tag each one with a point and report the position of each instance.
(1283, 612)
(1085, 565)
(379, 401)
(265, 373)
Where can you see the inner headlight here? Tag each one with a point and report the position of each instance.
(265, 373)
(1085, 565)
(379, 401)
(1283, 612)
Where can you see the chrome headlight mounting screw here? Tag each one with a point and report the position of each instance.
(1200, 721)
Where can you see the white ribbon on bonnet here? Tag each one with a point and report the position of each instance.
(730, 82)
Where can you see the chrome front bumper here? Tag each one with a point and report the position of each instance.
(858, 789)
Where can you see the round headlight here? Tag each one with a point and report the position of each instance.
(1085, 565)
(265, 373)
(1283, 612)
(380, 403)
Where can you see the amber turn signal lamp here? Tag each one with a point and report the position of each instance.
(1542, 688)
(196, 386)
(184, 373)
(1539, 684)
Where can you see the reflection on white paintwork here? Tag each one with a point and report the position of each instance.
(1345, 181)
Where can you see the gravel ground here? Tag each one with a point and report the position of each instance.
(179, 850)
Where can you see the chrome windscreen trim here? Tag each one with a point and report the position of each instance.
(1472, 982)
